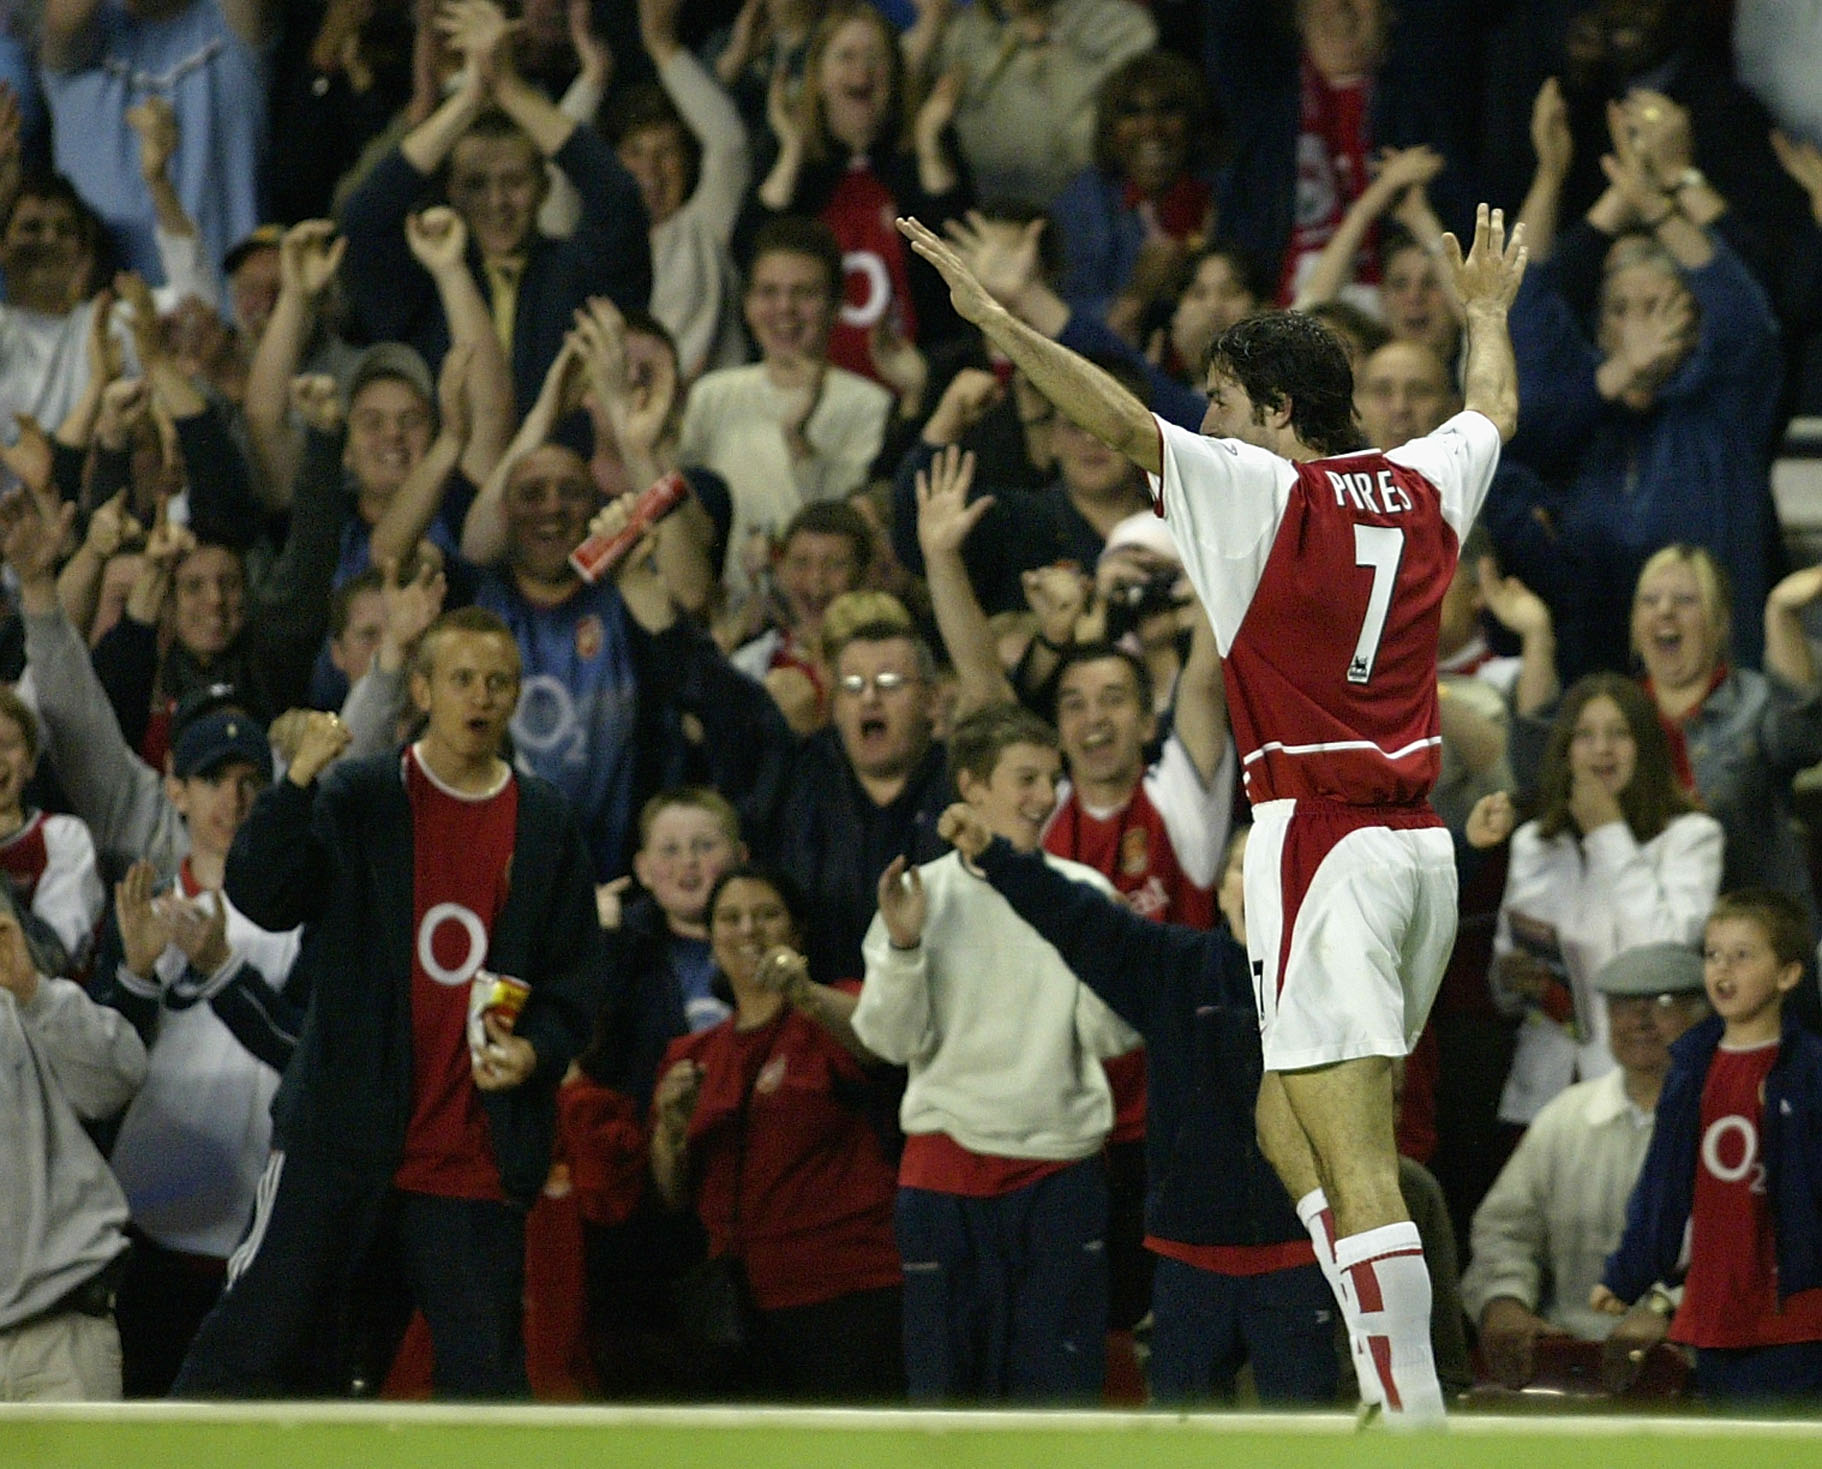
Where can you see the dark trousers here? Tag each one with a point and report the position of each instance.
(1205, 1325)
(1765, 1374)
(848, 1350)
(1006, 1297)
(327, 1277)
(164, 1297)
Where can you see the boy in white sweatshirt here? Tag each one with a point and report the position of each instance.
(1002, 1201)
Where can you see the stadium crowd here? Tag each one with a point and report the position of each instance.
(496, 513)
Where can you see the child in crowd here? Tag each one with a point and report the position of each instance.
(1002, 1203)
(50, 860)
(661, 984)
(1733, 1171)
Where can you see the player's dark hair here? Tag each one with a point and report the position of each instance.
(1080, 653)
(1651, 800)
(1780, 917)
(976, 744)
(1280, 355)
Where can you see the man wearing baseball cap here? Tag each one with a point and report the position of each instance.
(1558, 1208)
(209, 991)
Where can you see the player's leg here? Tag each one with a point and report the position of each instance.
(1287, 1147)
(1346, 1112)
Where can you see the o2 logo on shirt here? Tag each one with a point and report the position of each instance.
(468, 930)
(875, 288)
(1730, 1152)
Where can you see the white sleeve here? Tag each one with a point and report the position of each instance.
(1222, 501)
(1196, 816)
(1459, 459)
(893, 1016)
(69, 896)
(710, 114)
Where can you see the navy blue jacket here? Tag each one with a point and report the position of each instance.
(1189, 992)
(609, 254)
(337, 858)
(1790, 1145)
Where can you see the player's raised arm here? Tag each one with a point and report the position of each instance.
(1083, 393)
(1486, 283)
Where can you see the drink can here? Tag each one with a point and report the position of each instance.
(493, 994)
(598, 555)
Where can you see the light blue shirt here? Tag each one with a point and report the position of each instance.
(214, 82)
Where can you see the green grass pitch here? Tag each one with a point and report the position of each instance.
(392, 1436)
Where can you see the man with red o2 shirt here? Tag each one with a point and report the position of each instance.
(1322, 565)
(406, 1146)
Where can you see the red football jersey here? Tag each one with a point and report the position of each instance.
(461, 869)
(1730, 1296)
(1324, 583)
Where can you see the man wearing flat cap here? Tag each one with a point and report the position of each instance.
(1540, 1237)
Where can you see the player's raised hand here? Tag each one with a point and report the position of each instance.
(972, 301)
(1487, 280)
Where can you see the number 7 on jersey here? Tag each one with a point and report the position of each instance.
(1382, 548)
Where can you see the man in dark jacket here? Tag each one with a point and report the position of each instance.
(412, 1130)
(491, 139)
(1237, 1277)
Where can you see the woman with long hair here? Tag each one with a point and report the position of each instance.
(855, 149)
(1617, 856)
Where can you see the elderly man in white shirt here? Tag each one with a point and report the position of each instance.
(1558, 1208)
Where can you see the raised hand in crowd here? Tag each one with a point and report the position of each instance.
(945, 516)
(751, 30)
(594, 57)
(1554, 143)
(900, 365)
(482, 34)
(1802, 160)
(145, 922)
(154, 123)
(323, 739)
(1491, 821)
(317, 402)
(961, 827)
(1649, 343)
(1788, 655)
(1061, 595)
(408, 606)
(29, 457)
(18, 970)
(126, 405)
(438, 239)
(200, 929)
(308, 257)
(903, 905)
(1526, 616)
(31, 542)
(972, 394)
(166, 545)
